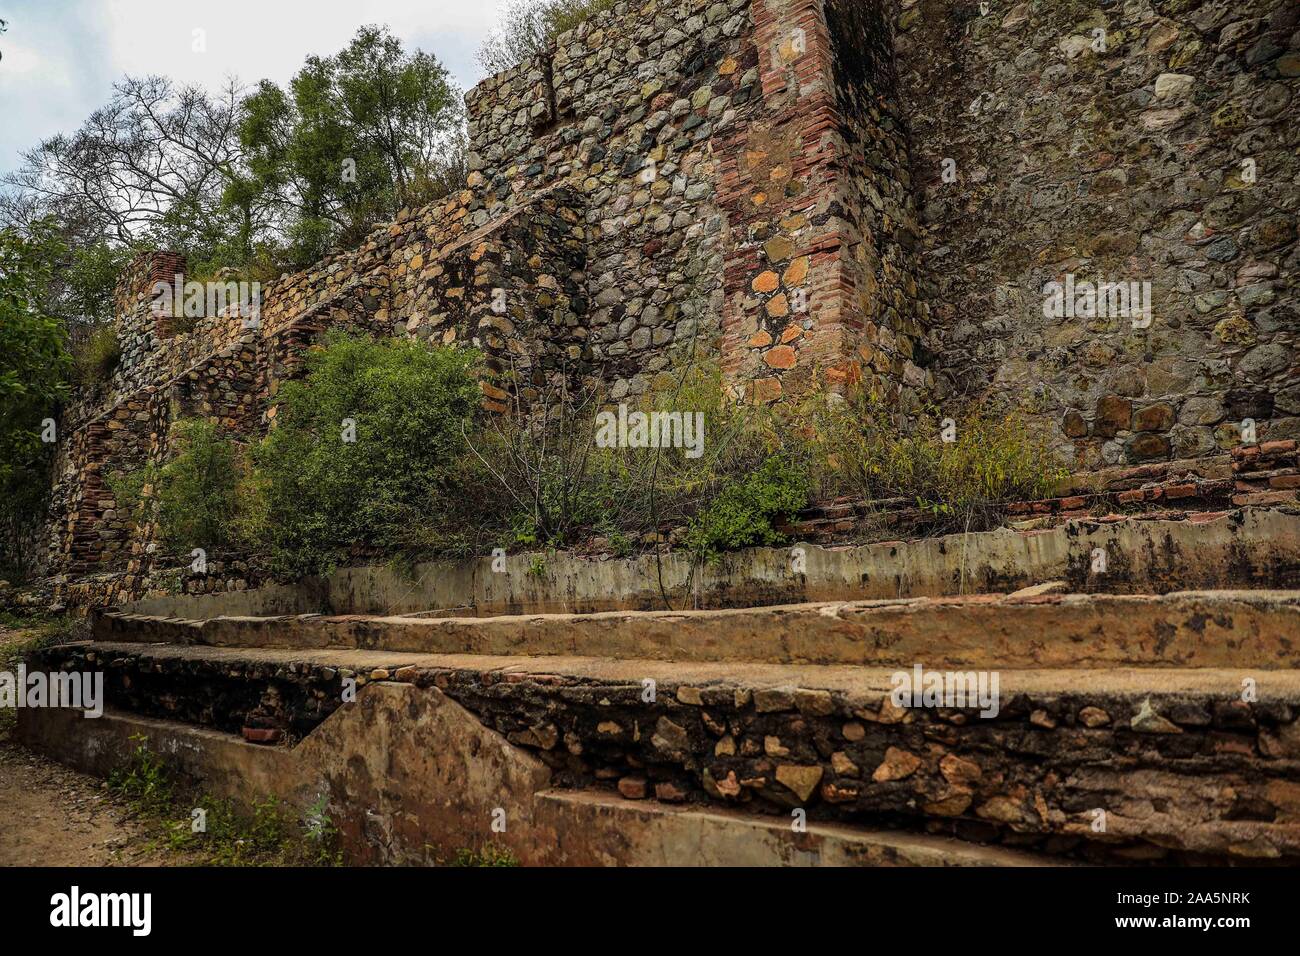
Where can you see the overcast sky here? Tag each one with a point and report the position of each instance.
(61, 57)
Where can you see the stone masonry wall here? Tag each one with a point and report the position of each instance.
(1123, 164)
(763, 181)
(722, 199)
(434, 275)
(1183, 778)
(624, 110)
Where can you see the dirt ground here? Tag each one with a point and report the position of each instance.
(53, 816)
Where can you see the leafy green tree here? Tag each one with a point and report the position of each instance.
(354, 138)
(362, 448)
(88, 282)
(34, 365)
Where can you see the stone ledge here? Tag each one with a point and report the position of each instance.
(1181, 629)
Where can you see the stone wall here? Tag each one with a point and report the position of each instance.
(508, 282)
(1124, 164)
(817, 193)
(737, 202)
(625, 110)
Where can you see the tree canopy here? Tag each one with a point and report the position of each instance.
(354, 138)
(259, 180)
(34, 365)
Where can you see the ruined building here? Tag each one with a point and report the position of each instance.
(817, 193)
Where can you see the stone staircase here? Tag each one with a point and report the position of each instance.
(1118, 728)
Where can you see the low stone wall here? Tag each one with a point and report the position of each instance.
(1179, 765)
(410, 777)
(1251, 547)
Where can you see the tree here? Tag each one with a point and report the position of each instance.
(354, 138)
(34, 366)
(151, 166)
(528, 27)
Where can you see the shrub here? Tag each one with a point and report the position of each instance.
(866, 448)
(144, 779)
(196, 497)
(97, 355)
(407, 407)
(198, 489)
(552, 482)
(744, 512)
(563, 487)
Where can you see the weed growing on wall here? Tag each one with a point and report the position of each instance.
(217, 831)
(745, 512)
(489, 855)
(958, 470)
(97, 355)
(565, 479)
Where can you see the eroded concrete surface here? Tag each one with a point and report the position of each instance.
(1250, 547)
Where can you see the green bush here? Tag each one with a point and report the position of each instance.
(198, 489)
(34, 365)
(319, 495)
(564, 488)
(744, 512)
(196, 497)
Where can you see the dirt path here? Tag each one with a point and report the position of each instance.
(53, 816)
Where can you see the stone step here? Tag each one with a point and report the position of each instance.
(1256, 629)
(1186, 764)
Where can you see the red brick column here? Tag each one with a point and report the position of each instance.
(789, 321)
